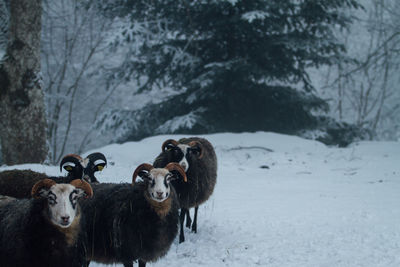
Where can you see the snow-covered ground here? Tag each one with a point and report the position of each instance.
(283, 201)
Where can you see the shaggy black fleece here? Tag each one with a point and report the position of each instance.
(201, 178)
(201, 175)
(123, 226)
(19, 183)
(28, 238)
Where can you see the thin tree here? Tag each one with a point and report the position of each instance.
(22, 111)
(367, 87)
(74, 45)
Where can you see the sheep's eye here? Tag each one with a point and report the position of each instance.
(51, 199)
(74, 195)
(194, 152)
(170, 147)
(144, 175)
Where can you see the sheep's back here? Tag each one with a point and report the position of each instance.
(19, 183)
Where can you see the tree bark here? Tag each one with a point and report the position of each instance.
(22, 111)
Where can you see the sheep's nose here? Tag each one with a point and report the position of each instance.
(65, 218)
(159, 194)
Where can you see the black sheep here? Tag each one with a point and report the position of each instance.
(128, 223)
(197, 156)
(77, 166)
(18, 183)
(45, 230)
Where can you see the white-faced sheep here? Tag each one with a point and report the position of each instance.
(45, 230)
(18, 183)
(128, 223)
(197, 157)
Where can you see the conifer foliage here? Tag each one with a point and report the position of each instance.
(238, 65)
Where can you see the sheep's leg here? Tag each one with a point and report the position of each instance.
(182, 219)
(129, 264)
(87, 263)
(194, 225)
(142, 263)
(188, 219)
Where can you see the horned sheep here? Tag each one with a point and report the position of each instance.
(197, 157)
(18, 183)
(128, 223)
(45, 230)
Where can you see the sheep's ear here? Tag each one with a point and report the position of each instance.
(174, 167)
(42, 193)
(173, 175)
(196, 151)
(81, 193)
(42, 188)
(169, 147)
(141, 171)
(84, 189)
(170, 144)
(196, 148)
(144, 174)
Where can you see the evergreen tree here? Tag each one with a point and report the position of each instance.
(239, 65)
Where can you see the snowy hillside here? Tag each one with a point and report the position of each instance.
(283, 201)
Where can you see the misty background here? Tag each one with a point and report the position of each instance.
(115, 71)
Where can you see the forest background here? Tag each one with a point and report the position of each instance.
(113, 71)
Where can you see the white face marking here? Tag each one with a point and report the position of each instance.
(84, 162)
(184, 163)
(62, 199)
(159, 187)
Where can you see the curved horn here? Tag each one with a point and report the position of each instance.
(85, 186)
(74, 158)
(47, 183)
(173, 166)
(95, 156)
(169, 141)
(199, 145)
(141, 167)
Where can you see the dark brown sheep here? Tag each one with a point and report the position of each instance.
(197, 157)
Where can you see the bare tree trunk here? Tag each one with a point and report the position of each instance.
(22, 111)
